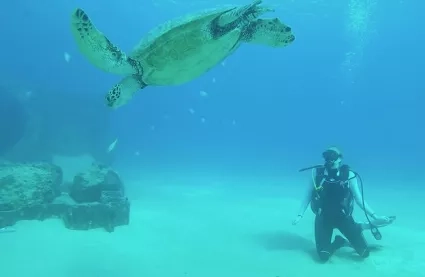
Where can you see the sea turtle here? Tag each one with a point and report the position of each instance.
(179, 50)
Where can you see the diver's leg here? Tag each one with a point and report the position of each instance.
(354, 233)
(323, 235)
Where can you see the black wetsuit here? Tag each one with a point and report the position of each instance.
(333, 205)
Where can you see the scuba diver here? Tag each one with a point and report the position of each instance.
(331, 196)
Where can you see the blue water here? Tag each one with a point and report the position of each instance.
(269, 111)
(286, 102)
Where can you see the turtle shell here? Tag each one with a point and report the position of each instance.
(182, 49)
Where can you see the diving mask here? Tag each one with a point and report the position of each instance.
(331, 155)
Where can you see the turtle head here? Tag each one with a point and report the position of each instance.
(281, 33)
(269, 32)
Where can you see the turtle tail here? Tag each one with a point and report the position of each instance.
(269, 32)
(97, 48)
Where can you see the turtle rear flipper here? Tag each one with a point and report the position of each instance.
(122, 92)
(269, 32)
(97, 48)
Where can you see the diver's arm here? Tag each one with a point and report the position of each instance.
(355, 189)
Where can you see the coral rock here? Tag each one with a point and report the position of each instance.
(27, 185)
(88, 186)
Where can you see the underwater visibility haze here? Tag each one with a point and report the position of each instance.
(204, 159)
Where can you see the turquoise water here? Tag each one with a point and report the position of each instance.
(211, 166)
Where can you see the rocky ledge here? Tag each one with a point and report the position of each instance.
(34, 192)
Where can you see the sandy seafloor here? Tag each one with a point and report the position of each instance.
(224, 228)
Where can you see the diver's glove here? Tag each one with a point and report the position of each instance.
(378, 221)
(381, 221)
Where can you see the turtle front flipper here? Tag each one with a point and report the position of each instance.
(247, 12)
(269, 32)
(97, 48)
(122, 92)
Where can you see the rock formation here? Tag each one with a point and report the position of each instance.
(33, 191)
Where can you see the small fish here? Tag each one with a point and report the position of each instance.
(203, 119)
(192, 111)
(214, 80)
(67, 57)
(112, 145)
(203, 93)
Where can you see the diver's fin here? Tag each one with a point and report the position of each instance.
(97, 48)
(123, 92)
